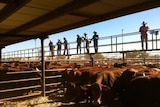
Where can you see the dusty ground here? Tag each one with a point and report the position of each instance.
(49, 101)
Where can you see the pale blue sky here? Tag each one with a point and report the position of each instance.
(129, 23)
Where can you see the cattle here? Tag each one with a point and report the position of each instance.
(110, 86)
(88, 77)
(143, 91)
(121, 84)
(70, 78)
(103, 85)
(78, 81)
(87, 82)
(83, 89)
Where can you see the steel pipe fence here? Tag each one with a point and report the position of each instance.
(24, 84)
(107, 44)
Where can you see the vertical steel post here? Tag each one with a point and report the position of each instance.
(116, 44)
(43, 67)
(156, 42)
(111, 44)
(0, 55)
(122, 39)
(123, 56)
(91, 60)
(156, 33)
(152, 42)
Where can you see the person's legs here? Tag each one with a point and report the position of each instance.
(87, 47)
(142, 40)
(80, 48)
(146, 40)
(96, 46)
(77, 49)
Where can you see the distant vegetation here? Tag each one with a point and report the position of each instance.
(137, 54)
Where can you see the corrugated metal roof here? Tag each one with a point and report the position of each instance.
(22, 20)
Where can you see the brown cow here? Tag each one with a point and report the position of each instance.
(104, 82)
(143, 91)
(128, 75)
(78, 83)
(84, 85)
(110, 84)
(70, 78)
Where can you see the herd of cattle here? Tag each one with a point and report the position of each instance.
(118, 85)
(114, 86)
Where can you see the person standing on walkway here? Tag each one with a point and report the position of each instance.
(144, 36)
(59, 43)
(79, 41)
(51, 48)
(95, 41)
(65, 46)
(86, 39)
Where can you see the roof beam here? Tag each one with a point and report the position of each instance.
(9, 42)
(130, 10)
(125, 11)
(11, 7)
(14, 35)
(69, 7)
(81, 15)
(11, 1)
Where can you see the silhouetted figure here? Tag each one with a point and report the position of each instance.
(59, 47)
(65, 46)
(51, 48)
(86, 39)
(144, 36)
(95, 41)
(79, 41)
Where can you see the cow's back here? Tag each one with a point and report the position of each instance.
(142, 92)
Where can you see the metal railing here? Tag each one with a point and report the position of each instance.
(26, 84)
(107, 44)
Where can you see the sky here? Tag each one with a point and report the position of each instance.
(129, 23)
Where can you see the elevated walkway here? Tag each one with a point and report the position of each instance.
(108, 45)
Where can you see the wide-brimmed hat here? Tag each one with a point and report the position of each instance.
(144, 23)
(85, 33)
(94, 32)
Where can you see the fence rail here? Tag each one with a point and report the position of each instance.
(15, 88)
(107, 44)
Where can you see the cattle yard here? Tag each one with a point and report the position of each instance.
(21, 75)
(71, 84)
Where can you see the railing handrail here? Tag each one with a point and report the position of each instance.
(113, 43)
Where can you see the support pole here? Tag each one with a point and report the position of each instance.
(91, 60)
(152, 42)
(43, 67)
(123, 56)
(111, 45)
(1, 54)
